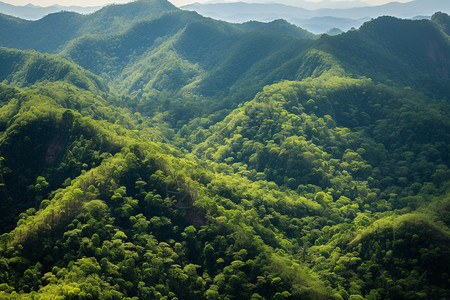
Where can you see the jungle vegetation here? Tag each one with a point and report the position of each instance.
(166, 155)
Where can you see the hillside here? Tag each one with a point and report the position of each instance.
(171, 156)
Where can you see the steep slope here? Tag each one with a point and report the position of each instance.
(37, 143)
(114, 18)
(52, 32)
(112, 53)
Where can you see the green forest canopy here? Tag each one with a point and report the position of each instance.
(292, 168)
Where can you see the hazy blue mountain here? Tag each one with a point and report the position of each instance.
(322, 4)
(334, 31)
(308, 18)
(323, 24)
(33, 12)
(305, 4)
(242, 11)
(396, 9)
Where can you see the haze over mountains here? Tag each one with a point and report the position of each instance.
(317, 17)
(305, 4)
(149, 152)
(34, 12)
(318, 20)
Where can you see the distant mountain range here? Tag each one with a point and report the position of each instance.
(33, 12)
(317, 20)
(308, 4)
(316, 17)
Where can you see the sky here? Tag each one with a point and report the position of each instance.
(176, 2)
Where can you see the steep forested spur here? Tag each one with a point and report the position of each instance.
(134, 165)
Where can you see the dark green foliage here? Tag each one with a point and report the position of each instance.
(208, 160)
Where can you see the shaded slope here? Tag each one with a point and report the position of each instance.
(41, 140)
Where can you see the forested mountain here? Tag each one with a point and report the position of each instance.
(174, 156)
